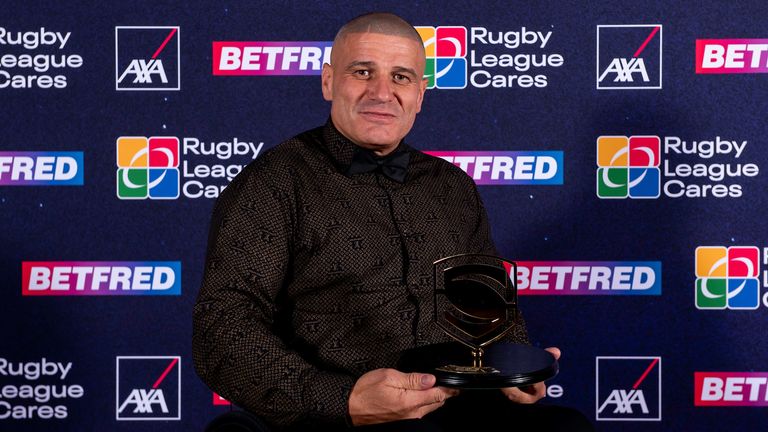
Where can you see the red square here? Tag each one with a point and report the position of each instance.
(163, 152)
(644, 151)
(451, 41)
(743, 261)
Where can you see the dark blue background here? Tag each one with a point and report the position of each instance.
(536, 223)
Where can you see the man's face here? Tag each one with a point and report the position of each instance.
(375, 85)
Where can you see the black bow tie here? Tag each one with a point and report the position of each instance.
(394, 165)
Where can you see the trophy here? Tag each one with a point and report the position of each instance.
(475, 303)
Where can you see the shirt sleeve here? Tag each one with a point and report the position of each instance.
(237, 348)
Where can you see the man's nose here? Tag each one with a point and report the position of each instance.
(380, 88)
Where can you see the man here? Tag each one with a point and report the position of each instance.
(320, 254)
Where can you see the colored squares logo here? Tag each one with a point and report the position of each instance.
(727, 278)
(628, 167)
(446, 51)
(147, 168)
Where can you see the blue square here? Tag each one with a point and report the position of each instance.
(163, 183)
(743, 294)
(644, 182)
(451, 73)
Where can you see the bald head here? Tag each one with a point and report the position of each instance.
(379, 23)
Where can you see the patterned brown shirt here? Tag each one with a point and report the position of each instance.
(314, 277)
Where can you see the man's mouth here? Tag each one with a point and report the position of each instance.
(378, 116)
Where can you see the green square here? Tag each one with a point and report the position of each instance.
(717, 293)
(429, 73)
(612, 182)
(132, 183)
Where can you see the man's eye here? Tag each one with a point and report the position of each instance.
(362, 73)
(401, 78)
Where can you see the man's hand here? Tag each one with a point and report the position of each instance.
(384, 395)
(532, 393)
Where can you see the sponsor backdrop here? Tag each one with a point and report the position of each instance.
(619, 149)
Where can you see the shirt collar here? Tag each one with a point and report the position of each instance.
(342, 150)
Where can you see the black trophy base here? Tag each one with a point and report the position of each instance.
(504, 365)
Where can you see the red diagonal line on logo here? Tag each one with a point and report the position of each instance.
(642, 47)
(173, 32)
(165, 373)
(645, 374)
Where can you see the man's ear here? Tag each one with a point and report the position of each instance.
(327, 82)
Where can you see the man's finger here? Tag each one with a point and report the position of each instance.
(419, 381)
(554, 351)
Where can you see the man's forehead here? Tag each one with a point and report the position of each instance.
(356, 46)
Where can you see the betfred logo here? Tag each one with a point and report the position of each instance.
(41, 168)
(446, 51)
(147, 168)
(270, 58)
(629, 57)
(727, 278)
(148, 388)
(97, 278)
(628, 167)
(588, 278)
(731, 56)
(628, 388)
(147, 58)
(508, 168)
(731, 389)
(220, 401)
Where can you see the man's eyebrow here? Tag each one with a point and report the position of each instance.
(356, 64)
(405, 70)
(370, 64)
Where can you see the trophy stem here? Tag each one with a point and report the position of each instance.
(477, 357)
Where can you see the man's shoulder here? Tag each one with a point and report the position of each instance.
(279, 166)
(304, 144)
(288, 155)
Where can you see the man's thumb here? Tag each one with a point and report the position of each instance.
(419, 381)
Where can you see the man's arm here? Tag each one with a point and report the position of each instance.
(235, 347)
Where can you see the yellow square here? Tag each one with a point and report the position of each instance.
(613, 151)
(132, 152)
(428, 36)
(711, 261)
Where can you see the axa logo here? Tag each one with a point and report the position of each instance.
(628, 388)
(147, 168)
(727, 277)
(147, 58)
(629, 56)
(628, 167)
(148, 388)
(446, 51)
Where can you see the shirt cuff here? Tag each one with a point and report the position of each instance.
(328, 396)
